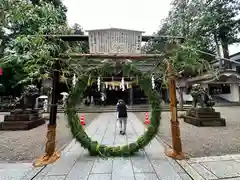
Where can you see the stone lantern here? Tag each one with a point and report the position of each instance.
(47, 86)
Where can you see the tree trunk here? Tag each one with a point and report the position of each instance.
(227, 64)
(218, 50)
(224, 42)
(2, 46)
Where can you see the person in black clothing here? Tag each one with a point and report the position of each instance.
(122, 116)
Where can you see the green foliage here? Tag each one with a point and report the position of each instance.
(77, 46)
(56, 3)
(23, 43)
(25, 24)
(203, 24)
(187, 60)
(94, 147)
(220, 17)
(200, 20)
(12, 74)
(221, 21)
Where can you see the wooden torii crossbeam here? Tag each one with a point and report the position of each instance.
(116, 56)
(77, 37)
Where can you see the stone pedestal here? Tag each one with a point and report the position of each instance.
(22, 120)
(204, 117)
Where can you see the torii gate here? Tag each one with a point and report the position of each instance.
(176, 151)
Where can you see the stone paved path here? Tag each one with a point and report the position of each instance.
(18, 171)
(213, 167)
(76, 164)
(152, 164)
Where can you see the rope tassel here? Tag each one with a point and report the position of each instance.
(99, 84)
(122, 84)
(153, 83)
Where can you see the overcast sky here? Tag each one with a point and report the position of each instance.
(144, 15)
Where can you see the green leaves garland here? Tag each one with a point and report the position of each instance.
(94, 148)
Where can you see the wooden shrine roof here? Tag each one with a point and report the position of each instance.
(218, 79)
(120, 29)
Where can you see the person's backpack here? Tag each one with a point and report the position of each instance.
(122, 110)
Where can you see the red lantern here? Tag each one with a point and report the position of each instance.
(1, 72)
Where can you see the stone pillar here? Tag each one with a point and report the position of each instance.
(181, 98)
(234, 92)
(181, 84)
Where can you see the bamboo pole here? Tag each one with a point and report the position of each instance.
(50, 154)
(176, 151)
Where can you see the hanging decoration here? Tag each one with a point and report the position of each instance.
(74, 80)
(99, 84)
(45, 105)
(153, 83)
(122, 84)
(89, 81)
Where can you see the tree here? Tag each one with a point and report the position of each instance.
(78, 46)
(182, 20)
(203, 24)
(56, 3)
(27, 46)
(221, 21)
(10, 28)
(13, 73)
(5, 6)
(26, 50)
(77, 29)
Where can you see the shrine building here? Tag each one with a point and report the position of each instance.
(225, 86)
(118, 41)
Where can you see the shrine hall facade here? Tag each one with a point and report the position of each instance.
(118, 41)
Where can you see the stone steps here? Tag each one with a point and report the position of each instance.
(136, 108)
(113, 109)
(21, 125)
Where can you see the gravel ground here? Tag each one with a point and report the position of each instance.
(26, 146)
(205, 141)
